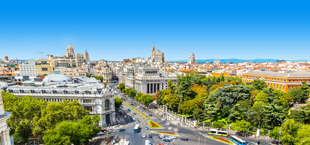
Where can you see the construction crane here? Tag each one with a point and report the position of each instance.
(41, 54)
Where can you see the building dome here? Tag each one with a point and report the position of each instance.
(57, 78)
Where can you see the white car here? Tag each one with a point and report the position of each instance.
(167, 123)
(163, 119)
(100, 133)
(172, 137)
(169, 127)
(143, 135)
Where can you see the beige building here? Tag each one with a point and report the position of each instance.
(44, 67)
(70, 60)
(72, 72)
(157, 56)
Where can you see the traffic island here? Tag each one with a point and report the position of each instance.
(222, 140)
(154, 125)
(165, 132)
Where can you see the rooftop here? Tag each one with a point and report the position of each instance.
(282, 74)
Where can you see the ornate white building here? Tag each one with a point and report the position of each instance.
(107, 73)
(89, 92)
(192, 59)
(4, 129)
(157, 56)
(148, 80)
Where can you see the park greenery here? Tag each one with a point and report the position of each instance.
(65, 122)
(247, 107)
(145, 99)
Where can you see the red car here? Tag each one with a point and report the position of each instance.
(103, 130)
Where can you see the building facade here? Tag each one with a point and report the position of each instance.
(148, 80)
(28, 68)
(283, 81)
(89, 92)
(157, 56)
(107, 73)
(192, 59)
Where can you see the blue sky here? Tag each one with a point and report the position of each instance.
(114, 30)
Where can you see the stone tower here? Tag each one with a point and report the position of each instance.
(86, 56)
(70, 51)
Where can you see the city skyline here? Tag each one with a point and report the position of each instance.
(211, 30)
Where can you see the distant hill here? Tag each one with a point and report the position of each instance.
(235, 60)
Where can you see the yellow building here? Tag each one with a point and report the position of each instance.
(283, 81)
(44, 67)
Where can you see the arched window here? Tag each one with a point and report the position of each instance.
(107, 104)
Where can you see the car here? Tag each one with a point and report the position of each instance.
(169, 127)
(134, 113)
(184, 139)
(122, 129)
(146, 128)
(100, 133)
(172, 137)
(121, 106)
(150, 115)
(166, 140)
(138, 121)
(103, 130)
(150, 136)
(143, 135)
(167, 123)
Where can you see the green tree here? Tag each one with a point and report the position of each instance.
(118, 102)
(100, 78)
(218, 124)
(300, 94)
(189, 106)
(303, 135)
(121, 86)
(88, 75)
(274, 113)
(147, 99)
(238, 111)
(258, 113)
(23, 110)
(261, 97)
(289, 132)
(275, 133)
(55, 112)
(211, 110)
(67, 132)
(259, 84)
(199, 114)
(241, 126)
(230, 95)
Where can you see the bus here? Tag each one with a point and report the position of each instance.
(237, 140)
(218, 132)
(136, 129)
(222, 133)
(212, 131)
(148, 142)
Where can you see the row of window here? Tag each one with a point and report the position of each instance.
(150, 72)
(279, 79)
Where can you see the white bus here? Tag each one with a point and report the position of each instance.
(237, 140)
(136, 129)
(148, 142)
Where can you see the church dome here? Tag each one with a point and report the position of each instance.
(57, 78)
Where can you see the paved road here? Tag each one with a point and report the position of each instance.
(136, 139)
